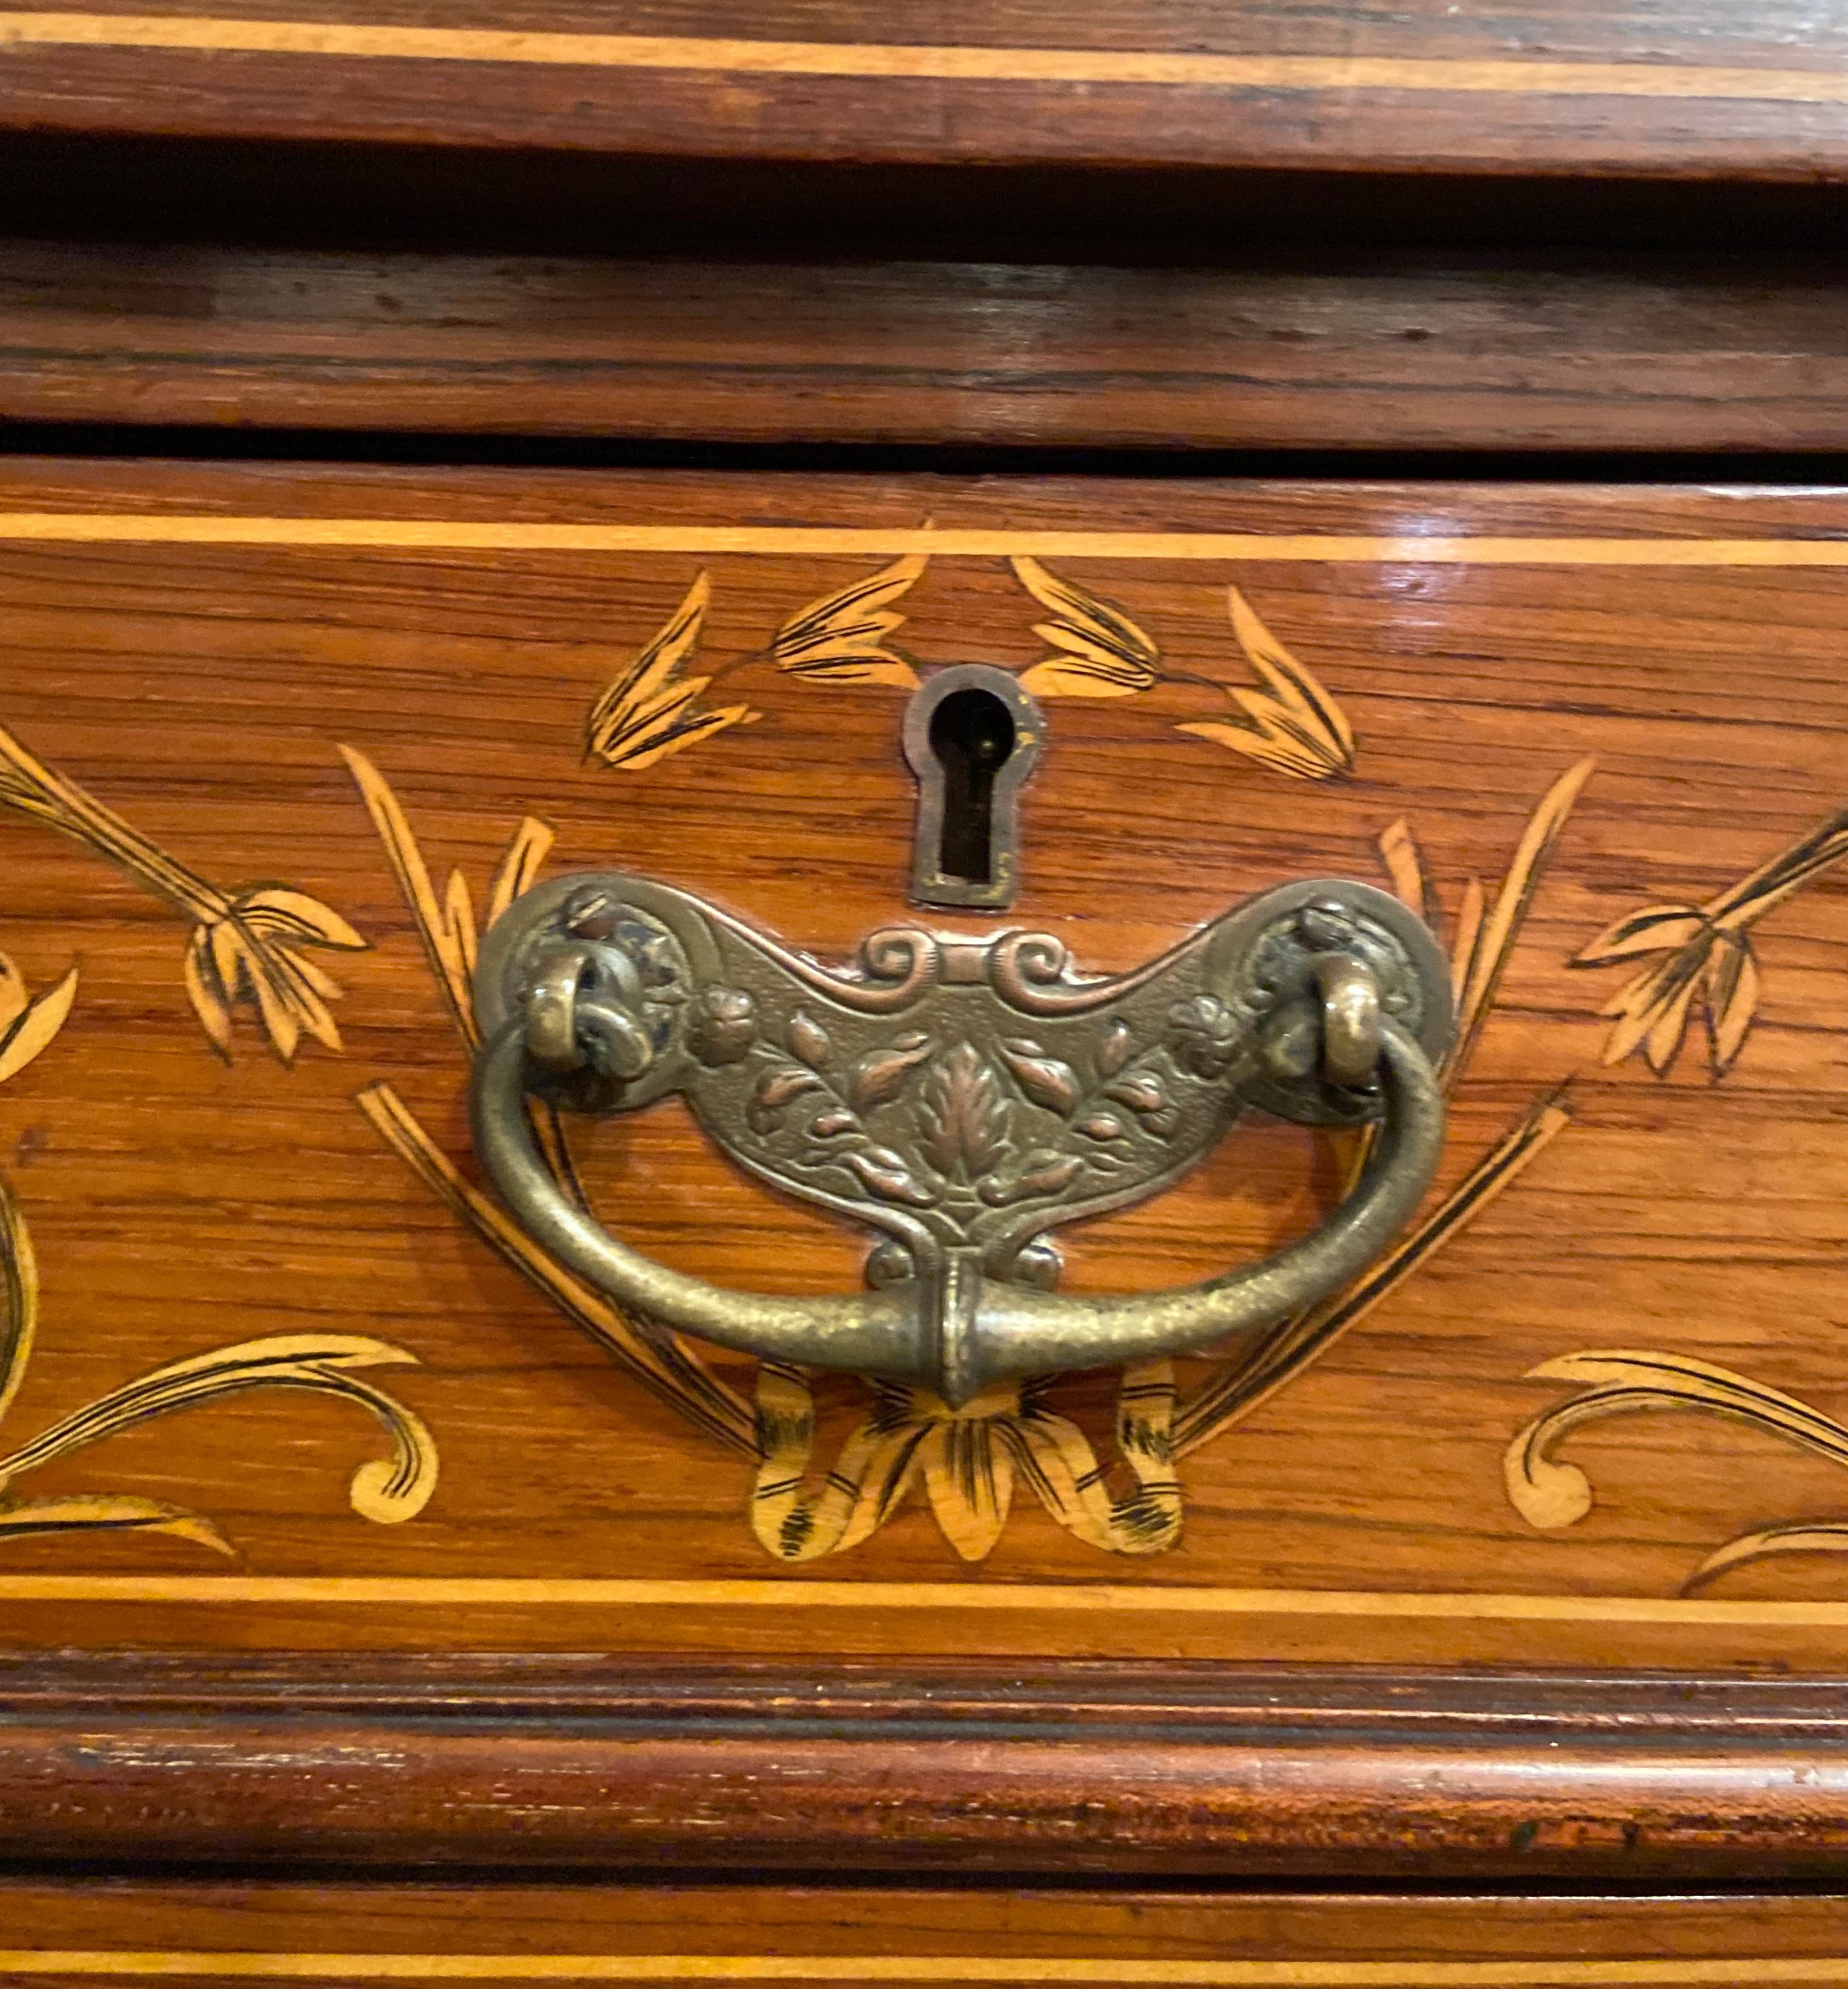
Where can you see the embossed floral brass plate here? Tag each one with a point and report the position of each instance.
(962, 1097)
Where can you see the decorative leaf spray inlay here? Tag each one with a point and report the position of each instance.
(251, 945)
(931, 1134)
(386, 1490)
(29, 1022)
(842, 638)
(950, 1137)
(1097, 650)
(813, 1099)
(1484, 935)
(1702, 953)
(1626, 1381)
(936, 1135)
(652, 709)
(969, 1461)
(1696, 953)
(1290, 726)
(1293, 726)
(446, 927)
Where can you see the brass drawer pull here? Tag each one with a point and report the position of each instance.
(963, 1097)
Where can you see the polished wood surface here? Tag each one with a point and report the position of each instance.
(484, 1767)
(190, 650)
(1492, 1610)
(1697, 91)
(209, 1934)
(1330, 349)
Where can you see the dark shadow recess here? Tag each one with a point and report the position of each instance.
(1731, 468)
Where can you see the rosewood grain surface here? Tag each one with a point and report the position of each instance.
(1696, 92)
(206, 1934)
(181, 1203)
(1323, 352)
(1171, 1773)
(1710, 33)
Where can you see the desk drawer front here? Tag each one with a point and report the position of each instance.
(282, 1373)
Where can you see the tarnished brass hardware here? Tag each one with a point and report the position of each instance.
(963, 1097)
(972, 736)
(1351, 1020)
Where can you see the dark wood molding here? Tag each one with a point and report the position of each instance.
(1688, 119)
(1533, 353)
(1125, 1771)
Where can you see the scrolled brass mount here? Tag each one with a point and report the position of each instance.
(963, 1097)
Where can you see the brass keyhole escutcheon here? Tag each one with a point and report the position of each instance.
(972, 736)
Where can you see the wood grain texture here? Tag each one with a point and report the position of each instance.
(208, 1933)
(1782, 35)
(1180, 1772)
(1483, 353)
(179, 1204)
(1688, 95)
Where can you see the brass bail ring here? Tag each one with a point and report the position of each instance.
(1344, 1033)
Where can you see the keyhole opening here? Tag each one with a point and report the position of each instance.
(971, 734)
